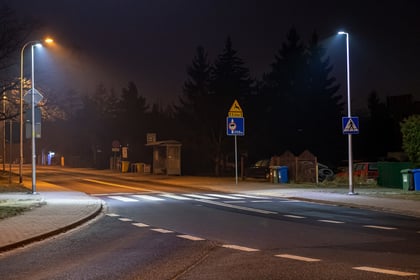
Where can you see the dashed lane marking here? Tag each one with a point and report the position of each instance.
(161, 230)
(237, 207)
(125, 219)
(112, 215)
(298, 258)
(148, 197)
(294, 216)
(123, 198)
(379, 227)
(261, 201)
(190, 237)
(140, 225)
(240, 248)
(177, 197)
(385, 271)
(331, 221)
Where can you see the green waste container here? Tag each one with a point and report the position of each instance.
(274, 174)
(407, 179)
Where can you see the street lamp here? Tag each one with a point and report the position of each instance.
(350, 150)
(32, 44)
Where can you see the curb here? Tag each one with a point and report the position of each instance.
(53, 232)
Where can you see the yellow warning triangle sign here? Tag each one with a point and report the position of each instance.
(235, 107)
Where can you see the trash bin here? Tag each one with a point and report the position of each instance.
(124, 166)
(416, 179)
(274, 171)
(407, 179)
(140, 167)
(282, 173)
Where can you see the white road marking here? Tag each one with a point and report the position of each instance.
(263, 201)
(147, 197)
(385, 271)
(379, 227)
(250, 196)
(122, 198)
(331, 221)
(199, 196)
(173, 196)
(240, 248)
(140, 225)
(190, 237)
(116, 185)
(234, 201)
(125, 219)
(298, 258)
(237, 207)
(161, 230)
(112, 215)
(223, 196)
(294, 216)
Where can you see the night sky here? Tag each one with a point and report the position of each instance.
(152, 42)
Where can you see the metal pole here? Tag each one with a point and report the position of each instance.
(351, 189)
(21, 117)
(33, 126)
(236, 161)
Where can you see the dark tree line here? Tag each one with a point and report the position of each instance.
(295, 106)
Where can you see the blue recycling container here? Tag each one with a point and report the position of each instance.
(282, 173)
(416, 179)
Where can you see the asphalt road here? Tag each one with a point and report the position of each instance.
(161, 232)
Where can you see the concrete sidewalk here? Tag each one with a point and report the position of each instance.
(61, 209)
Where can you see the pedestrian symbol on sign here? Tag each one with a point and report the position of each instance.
(350, 125)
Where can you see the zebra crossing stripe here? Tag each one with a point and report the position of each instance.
(224, 196)
(148, 197)
(199, 196)
(173, 196)
(122, 198)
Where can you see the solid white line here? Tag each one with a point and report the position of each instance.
(237, 207)
(140, 225)
(112, 215)
(148, 197)
(294, 216)
(122, 198)
(116, 185)
(385, 271)
(125, 219)
(240, 248)
(173, 196)
(298, 258)
(190, 237)
(161, 230)
(223, 196)
(331, 221)
(379, 227)
(199, 196)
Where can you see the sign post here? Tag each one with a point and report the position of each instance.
(235, 126)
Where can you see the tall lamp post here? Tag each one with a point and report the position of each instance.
(350, 149)
(32, 44)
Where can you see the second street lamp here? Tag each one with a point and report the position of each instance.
(350, 148)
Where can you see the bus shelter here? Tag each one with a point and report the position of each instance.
(166, 157)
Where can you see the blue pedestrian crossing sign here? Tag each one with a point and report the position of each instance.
(235, 126)
(350, 125)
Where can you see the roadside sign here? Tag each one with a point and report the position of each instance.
(350, 125)
(235, 126)
(235, 110)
